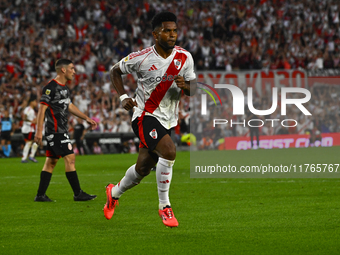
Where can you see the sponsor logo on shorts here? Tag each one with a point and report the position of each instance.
(162, 173)
(153, 133)
(65, 141)
(50, 137)
(69, 146)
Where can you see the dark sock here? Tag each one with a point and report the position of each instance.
(72, 178)
(45, 178)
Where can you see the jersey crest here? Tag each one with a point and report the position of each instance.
(153, 133)
(178, 63)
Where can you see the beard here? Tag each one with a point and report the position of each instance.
(166, 46)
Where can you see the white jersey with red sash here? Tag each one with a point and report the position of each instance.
(157, 93)
(29, 116)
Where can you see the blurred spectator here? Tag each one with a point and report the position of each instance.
(78, 136)
(96, 148)
(6, 132)
(221, 35)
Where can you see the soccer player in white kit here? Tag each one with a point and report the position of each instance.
(164, 71)
(28, 130)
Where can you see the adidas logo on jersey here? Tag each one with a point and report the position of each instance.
(152, 68)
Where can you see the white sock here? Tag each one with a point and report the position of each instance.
(163, 177)
(34, 150)
(131, 179)
(26, 150)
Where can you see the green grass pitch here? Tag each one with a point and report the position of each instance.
(216, 216)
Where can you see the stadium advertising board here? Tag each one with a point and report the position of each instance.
(282, 141)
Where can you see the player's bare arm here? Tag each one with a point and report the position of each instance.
(75, 111)
(40, 123)
(117, 82)
(189, 87)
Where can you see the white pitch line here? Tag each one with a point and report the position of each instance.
(255, 180)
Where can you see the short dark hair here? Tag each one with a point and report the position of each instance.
(62, 62)
(161, 17)
(32, 98)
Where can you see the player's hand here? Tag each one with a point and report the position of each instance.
(129, 103)
(180, 82)
(38, 138)
(92, 123)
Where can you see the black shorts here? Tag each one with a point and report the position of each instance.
(149, 131)
(6, 135)
(58, 145)
(29, 136)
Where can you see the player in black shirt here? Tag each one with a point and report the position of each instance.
(55, 105)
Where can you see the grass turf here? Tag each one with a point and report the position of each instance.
(216, 216)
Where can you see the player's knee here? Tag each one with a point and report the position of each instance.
(70, 160)
(170, 155)
(169, 152)
(50, 165)
(143, 170)
(71, 164)
(53, 163)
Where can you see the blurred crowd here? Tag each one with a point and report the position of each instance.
(221, 35)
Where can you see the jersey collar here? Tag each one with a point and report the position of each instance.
(155, 51)
(58, 82)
